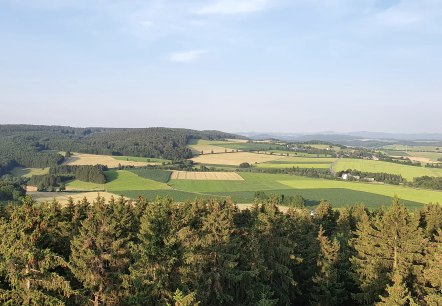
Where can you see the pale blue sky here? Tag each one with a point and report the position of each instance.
(233, 65)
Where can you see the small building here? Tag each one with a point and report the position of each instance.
(348, 177)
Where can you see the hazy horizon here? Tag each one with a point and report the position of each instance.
(280, 66)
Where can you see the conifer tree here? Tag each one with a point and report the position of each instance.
(29, 269)
(328, 289)
(211, 259)
(433, 271)
(387, 244)
(397, 294)
(99, 252)
(157, 256)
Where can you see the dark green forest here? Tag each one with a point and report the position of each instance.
(212, 253)
(38, 146)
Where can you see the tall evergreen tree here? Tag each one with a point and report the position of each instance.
(157, 257)
(211, 259)
(30, 270)
(328, 289)
(397, 294)
(433, 271)
(99, 253)
(387, 244)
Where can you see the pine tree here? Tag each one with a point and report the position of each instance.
(31, 271)
(397, 294)
(328, 289)
(433, 271)
(99, 252)
(211, 255)
(389, 243)
(157, 256)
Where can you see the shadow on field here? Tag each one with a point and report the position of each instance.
(111, 175)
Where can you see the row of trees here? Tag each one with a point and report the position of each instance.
(212, 253)
(387, 178)
(85, 173)
(427, 182)
(59, 175)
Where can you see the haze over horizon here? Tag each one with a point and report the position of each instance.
(232, 65)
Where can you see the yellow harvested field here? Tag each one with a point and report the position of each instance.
(207, 149)
(235, 159)
(237, 140)
(80, 159)
(424, 160)
(206, 176)
(63, 197)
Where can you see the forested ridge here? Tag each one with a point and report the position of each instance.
(212, 253)
(38, 146)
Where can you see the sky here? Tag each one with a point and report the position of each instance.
(290, 66)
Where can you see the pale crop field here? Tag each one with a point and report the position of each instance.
(207, 147)
(235, 159)
(407, 172)
(63, 197)
(106, 160)
(206, 176)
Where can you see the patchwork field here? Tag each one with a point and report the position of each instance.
(107, 160)
(210, 176)
(28, 172)
(235, 158)
(408, 172)
(134, 183)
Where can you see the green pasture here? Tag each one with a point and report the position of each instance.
(414, 148)
(408, 172)
(118, 180)
(28, 172)
(406, 193)
(80, 185)
(158, 175)
(291, 165)
(138, 182)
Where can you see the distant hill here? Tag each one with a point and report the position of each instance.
(359, 139)
(38, 145)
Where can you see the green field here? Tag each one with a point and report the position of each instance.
(286, 183)
(298, 162)
(80, 185)
(158, 175)
(413, 148)
(28, 172)
(118, 180)
(142, 159)
(291, 165)
(132, 184)
(407, 172)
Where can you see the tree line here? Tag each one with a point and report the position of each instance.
(59, 175)
(212, 253)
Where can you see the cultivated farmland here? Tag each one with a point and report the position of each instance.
(209, 176)
(407, 172)
(235, 159)
(106, 160)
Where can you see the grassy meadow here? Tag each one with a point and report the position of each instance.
(407, 172)
(28, 172)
